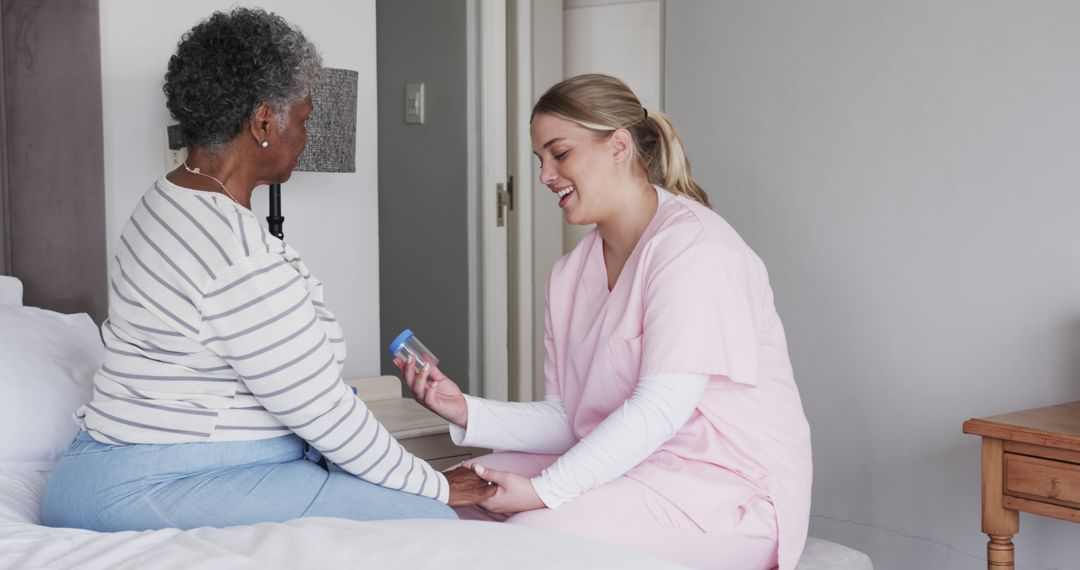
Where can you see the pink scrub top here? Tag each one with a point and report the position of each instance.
(692, 298)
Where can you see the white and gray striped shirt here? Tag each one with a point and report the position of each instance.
(217, 332)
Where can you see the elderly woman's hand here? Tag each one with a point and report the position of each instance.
(515, 492)
(466, 488)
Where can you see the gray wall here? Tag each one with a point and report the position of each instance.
(423, 252)
(909, 173)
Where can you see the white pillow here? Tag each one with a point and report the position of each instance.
(10, 290)
(47, 364)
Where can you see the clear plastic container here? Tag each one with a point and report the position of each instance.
(406, 344)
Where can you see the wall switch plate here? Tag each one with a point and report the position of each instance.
(175, 148)
(414, 103)
(174, 158)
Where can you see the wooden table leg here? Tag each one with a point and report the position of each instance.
(999, 523)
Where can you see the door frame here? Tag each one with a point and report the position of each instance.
(544, 242)
(489, 363)
(522, 286)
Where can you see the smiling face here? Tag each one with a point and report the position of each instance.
(578, 167)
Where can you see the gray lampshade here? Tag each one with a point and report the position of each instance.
(332, 124)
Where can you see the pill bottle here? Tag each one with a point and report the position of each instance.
(406, 344)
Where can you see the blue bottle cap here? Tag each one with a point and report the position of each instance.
(400, 340)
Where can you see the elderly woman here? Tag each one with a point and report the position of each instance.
(220, 401)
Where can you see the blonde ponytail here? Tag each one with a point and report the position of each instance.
(604, 104)
(668, 163)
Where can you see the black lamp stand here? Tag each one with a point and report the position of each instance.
(331, 132)
(275, 219)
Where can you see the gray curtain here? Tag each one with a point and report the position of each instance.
(52, 182)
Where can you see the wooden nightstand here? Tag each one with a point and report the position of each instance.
(421, 432)
(1030, 463)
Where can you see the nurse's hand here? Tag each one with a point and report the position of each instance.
(436, 392)
(515, 494)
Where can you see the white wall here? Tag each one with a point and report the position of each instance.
(330, 218)
(621, 38)
(624, 39)
(908, 171)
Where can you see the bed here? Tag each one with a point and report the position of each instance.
(47, 360)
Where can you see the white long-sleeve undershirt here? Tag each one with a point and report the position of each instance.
(659, 406)
(531, 427)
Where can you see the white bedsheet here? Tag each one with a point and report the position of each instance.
(319, 543)
(20, 495)
(301, 544)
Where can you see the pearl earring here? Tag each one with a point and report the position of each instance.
(265, 144)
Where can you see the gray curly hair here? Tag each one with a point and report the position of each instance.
(230, 63)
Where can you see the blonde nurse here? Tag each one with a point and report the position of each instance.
(672, 424)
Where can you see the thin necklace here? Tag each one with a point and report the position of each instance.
(198, 171)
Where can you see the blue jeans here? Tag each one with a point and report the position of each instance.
(186, 485)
